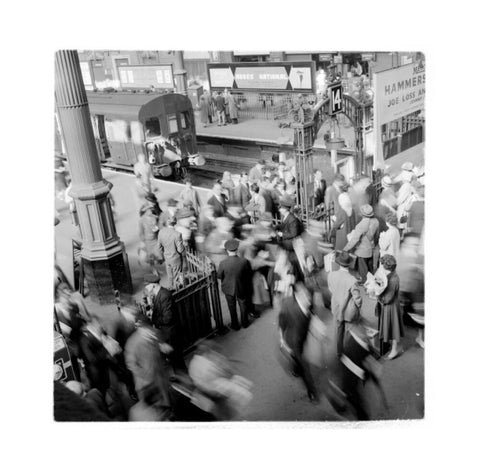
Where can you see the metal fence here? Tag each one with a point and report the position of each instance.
(197, 300)
(267, 106)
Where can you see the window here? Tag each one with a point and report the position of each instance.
(184, 121)
(152, 127)
(172, 123)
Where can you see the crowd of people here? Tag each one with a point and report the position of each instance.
(361, 245)
(221, 107)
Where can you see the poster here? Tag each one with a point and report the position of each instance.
(397, 92)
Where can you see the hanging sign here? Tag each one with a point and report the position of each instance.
(335, 95)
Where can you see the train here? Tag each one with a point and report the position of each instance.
(128, 123)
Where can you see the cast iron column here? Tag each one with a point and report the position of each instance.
(103, 254)
(304, 137)
(179, 72)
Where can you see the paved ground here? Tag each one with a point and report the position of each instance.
(277, 396)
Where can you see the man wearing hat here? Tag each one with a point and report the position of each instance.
(172, 206)
(364, 239)
(185, 218)
(256, 173)
(290, 227)
(172, 250)
(236, 276)
(345, 296)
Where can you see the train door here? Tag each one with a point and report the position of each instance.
(187, 142)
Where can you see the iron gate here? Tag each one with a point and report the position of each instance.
(197, 301)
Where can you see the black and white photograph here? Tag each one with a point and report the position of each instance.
(260, 263)
(229, 222)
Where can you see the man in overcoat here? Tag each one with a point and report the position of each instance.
(346, 296)
(236, 276)
(172, 250)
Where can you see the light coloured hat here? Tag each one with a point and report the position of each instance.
(387, 181)
(366, 210)
(407, 166)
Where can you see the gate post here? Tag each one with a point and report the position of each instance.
(304, 137)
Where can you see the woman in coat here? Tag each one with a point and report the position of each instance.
(390, 323)
(345, 221)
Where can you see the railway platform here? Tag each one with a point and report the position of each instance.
(267, 132)
(253, 350)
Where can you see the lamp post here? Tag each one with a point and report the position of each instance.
(103, 254)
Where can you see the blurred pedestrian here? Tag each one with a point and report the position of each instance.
(208, 100)
(215, 241)
(217, 201)
(235, 273)
(145, 360)
(390, 322)
(172, 251)
(164, 319)
(405, 197)
(148, 234)
(143, 173)
(346, 296)
(387, 202)
(333, 191)
(204, 110)
(218, 390)
(228, 184)
(320, 187)
(294, 320)
(189, 194)
(357, 365)
(363, 241)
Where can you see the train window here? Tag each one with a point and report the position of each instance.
(152, 127)
(172, 123)
(184, 121)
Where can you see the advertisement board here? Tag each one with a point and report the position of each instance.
(397, 92)
(263, 77)
(159, 76)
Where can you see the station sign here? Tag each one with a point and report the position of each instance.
(335, 94)
(368, 56)
(325, 57)
(159, 76)
(263, 77)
